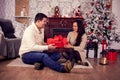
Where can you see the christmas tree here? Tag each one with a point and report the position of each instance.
(100, 23)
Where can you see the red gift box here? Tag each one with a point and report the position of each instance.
(65, 42)
(112, 56)
(59, 44)
(59, 41)
(50, 41)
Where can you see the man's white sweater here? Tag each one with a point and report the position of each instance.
(32, 40)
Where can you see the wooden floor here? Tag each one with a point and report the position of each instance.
(99, 72)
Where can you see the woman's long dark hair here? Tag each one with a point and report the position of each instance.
(81, 31)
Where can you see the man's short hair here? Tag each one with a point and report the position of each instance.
(40, 16)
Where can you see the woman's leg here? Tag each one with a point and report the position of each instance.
(83, 56)
(80, 58)
(77, 56)
(69, 54)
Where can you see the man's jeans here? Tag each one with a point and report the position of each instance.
(48, 60)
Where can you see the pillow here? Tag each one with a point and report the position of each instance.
(10, 35)
(7, 28)
(19, 29)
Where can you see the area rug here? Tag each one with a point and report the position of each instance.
(18, 63)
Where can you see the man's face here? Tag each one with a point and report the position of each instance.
(42, 23)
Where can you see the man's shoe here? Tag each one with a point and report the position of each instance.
(38, 66)
(67, 67)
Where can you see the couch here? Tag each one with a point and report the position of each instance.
(9, 43)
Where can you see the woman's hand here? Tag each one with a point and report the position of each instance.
(68, 46)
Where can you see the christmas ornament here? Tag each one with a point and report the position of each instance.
(57, 12)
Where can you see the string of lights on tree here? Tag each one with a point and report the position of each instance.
(100, 22)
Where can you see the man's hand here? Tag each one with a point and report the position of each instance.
(51, 49)
(51, 46)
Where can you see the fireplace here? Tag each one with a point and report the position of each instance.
(57, 31)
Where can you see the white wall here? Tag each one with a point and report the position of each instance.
(116, 11)
(66, 7)
(2, 8)
(10, 9)
(7, 9)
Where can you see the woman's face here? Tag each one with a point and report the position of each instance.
(75, 27)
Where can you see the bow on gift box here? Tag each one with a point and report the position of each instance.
(104, 44)
(58, 41)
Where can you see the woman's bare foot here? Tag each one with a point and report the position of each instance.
(83, 63)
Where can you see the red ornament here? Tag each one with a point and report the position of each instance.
(108, 6)
(109, 27)
(92, 3)
(91, 11)
(85, 24)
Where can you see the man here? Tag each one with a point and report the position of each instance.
(32, 47)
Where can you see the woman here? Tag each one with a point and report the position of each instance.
(77, 41)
